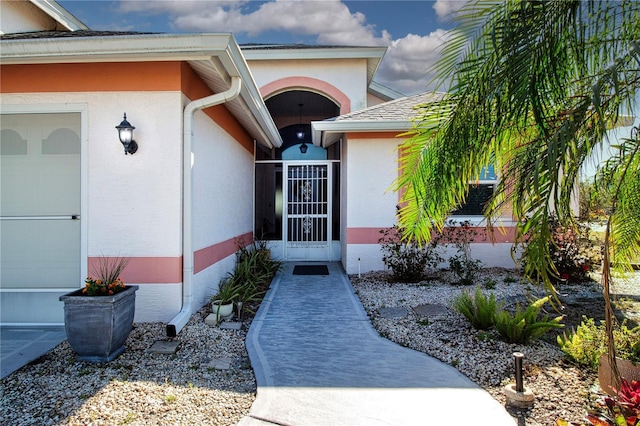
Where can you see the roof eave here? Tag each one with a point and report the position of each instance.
(268, 134)
(139, 48)
(383, 92)
(325, 133)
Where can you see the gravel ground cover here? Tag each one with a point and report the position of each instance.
(139, 387)
(431, 326)
(143, 388)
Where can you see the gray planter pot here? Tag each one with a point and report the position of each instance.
(98, 326)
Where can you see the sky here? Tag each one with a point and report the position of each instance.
(412, 31)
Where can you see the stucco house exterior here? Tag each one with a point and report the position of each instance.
(293, 144)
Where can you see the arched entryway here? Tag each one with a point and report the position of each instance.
(297, 202)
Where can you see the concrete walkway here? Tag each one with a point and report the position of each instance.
(21, 345)
(318, 361)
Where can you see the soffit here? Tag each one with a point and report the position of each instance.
(240, 107)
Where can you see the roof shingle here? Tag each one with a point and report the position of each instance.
(403, 109)
(57, 34)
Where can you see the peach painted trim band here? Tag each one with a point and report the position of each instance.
(299, 82)
(363, 235)
(141, 270)
(372, 235)
(208, 256)
(91, 77)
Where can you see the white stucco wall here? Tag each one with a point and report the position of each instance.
(370, 166)
(371, 170)
(222, 198)
(135, 200)
(347, 75)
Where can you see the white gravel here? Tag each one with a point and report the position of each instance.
(142, 388)
(138, 388)
(562, 390)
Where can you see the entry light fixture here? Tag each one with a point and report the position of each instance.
(300, 133)
(125, 133)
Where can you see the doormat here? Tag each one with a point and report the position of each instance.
(310, 270)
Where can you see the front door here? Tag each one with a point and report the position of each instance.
(307, 218)
(39, 215)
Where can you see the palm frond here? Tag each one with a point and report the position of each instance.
(533, 88)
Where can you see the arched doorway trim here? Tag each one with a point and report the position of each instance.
(313, 84)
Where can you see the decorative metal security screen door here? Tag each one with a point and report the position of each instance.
(308, 203)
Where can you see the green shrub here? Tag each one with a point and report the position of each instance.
(461, 235)
(480, 310)
(588, 342)
(258, 256)
(407, 259)
(490, 284)
(572, 252)
(525, 326)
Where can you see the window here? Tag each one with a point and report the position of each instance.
(480, 192)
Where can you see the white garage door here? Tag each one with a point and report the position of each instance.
(40, 215)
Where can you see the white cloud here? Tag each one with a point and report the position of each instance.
(407, 64)
(325, 18)
(446, 9)
(404, 68)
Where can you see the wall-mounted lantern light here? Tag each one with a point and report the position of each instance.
(125, 133)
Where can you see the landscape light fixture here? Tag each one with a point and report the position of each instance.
(125, 133)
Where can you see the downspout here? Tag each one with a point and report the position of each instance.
(180, 320)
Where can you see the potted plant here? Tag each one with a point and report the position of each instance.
(222, 301)
(98, 318)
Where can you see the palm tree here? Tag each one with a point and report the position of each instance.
(533, 88)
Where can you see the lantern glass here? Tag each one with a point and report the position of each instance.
(126, 135)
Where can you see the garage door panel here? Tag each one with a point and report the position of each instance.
(39, 253)
(50, 310)
(59, 195)
(39, 207)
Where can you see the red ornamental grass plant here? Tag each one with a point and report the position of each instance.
(107, 273)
